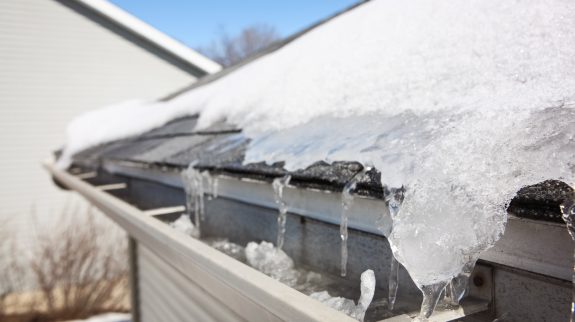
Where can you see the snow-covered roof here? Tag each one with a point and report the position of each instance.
(464, 103)
(149, 33)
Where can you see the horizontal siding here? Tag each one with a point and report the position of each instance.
(54, 65)
(167, 295)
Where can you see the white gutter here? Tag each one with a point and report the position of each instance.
(217, 273)
(151, 34)
(246, 291)
(539, 247)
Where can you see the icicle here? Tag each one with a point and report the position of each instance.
(568, 212)
(278, 185)
(194, 187)
(393, 198)
(393, 283)
(346, 202)
(367, 292)
(458, 285)
(215, 185)
(431, 295)
(209, 184)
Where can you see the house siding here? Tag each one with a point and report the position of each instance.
(165, 294)
(54, 65)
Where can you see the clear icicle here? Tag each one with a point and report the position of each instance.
(215, 186)
(346, 202)
(393, 198)
(568, 212)
(457, 288)
(278, 185)
(393, 283)
(209, 180)
(431, 295)
(194, 187)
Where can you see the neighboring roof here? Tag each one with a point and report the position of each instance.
(144, 35)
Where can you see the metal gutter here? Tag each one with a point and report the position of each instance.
(245, 290)
(535, 246)
(368, 214)
(248, 293)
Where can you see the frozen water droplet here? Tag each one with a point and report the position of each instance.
(278, 185)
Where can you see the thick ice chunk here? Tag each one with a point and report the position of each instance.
(268, 259)
(184, 225)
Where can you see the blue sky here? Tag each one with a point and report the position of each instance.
(197, 23)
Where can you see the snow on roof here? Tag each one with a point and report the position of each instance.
(151, 34)
(464, 102)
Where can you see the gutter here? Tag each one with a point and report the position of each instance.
(222, 276)
(241, 286)
(539, 247)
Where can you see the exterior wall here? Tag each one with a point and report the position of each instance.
(54, 65)
(165, 294)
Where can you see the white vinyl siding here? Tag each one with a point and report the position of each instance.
(54, 65)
